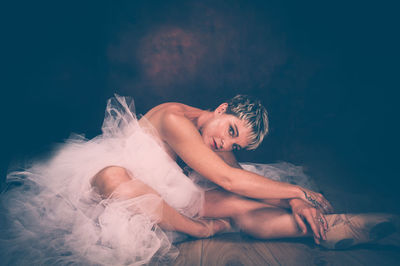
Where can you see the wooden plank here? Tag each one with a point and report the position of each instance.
(334, 257)
(304, 252)
(288, 252)
(232, 249)
(190, 253)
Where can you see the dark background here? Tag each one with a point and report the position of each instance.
(326, 71)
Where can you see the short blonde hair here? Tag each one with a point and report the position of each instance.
(253, 113)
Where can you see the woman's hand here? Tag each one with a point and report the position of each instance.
(305, 213)
(316, 200)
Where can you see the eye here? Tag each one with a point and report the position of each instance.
(231, 131)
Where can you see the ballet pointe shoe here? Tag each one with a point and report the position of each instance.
(227, 226)
(347, 230)
(216, 226)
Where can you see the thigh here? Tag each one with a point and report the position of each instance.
(221, 203)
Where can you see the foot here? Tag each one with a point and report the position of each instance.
(347, 230)
(215, 226)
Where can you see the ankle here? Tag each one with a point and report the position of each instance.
(204, 229)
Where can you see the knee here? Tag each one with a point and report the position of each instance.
(109, 178)
(243, 221)
(112, 171)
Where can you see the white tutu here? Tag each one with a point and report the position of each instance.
(52, 215)
(56, 217)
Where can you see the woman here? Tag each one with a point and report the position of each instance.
(119, 198)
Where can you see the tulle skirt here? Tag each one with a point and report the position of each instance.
(52, 215)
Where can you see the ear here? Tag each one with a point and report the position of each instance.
(221, 109)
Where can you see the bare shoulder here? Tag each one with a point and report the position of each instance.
(171, 118)
(159, 110)
(174, 123)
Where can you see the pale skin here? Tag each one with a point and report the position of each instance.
(204, 140)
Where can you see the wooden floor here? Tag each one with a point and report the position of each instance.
(235, 249)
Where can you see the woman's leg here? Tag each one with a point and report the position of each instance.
(268, 222)
(253, 217)
(116, 182)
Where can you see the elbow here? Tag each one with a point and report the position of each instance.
(230, 180)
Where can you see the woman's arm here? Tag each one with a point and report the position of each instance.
(229, 158)
(303, 213)
(185, 140)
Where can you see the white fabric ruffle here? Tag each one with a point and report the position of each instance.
(55, 216)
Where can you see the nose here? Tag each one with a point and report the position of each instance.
(227, 144)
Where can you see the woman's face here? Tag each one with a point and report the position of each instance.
(225, 132)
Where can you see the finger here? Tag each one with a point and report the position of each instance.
(300, 223)
(327, 207)
(314, 228)
(314, 212)
(330, 207)
(325, 222)
(322, 224)
(324, 203)
(322, 231)
(316, 240)
(323, 208)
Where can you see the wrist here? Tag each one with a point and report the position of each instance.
(294, 202)
(298, 192)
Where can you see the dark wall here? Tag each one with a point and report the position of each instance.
(325, 71)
